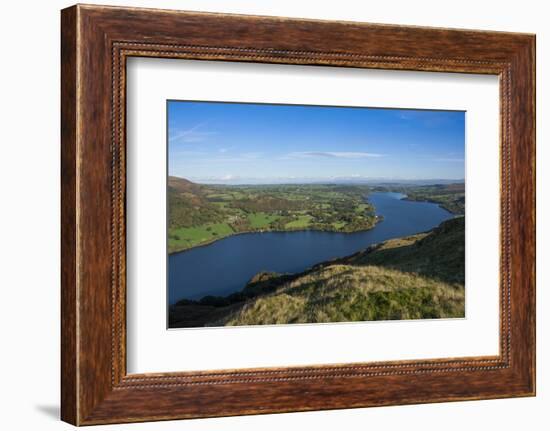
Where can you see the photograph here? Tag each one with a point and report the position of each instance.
(281, 211)
(285, 214)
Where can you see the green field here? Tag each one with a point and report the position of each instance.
(200, 214)
(301, 222)
(261, 220)
(188, 237)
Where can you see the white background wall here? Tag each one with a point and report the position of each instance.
(29, 214)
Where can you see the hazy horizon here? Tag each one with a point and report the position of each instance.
(238, 143)
(329, 181)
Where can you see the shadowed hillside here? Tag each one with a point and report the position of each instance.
(416, 277)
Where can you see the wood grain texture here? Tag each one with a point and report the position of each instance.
(96, 41)
(69, 397)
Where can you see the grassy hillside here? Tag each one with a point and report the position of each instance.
(200, 214)
(416, 277)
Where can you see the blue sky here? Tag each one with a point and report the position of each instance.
(260, 143)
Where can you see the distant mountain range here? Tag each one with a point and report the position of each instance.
(334, 180)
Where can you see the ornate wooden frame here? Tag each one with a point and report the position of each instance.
(95, 42)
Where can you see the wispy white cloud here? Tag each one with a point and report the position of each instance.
(191, 135)
(230, 177)
(334, 154)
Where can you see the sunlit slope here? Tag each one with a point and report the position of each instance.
(417, 277)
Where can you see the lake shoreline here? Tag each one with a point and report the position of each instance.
(226, 266)
(316, 266)
(378, 219)
(431, 201)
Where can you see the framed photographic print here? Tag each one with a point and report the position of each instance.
(267, 215)
(320, 238)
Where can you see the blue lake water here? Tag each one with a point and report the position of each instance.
(225, 266)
